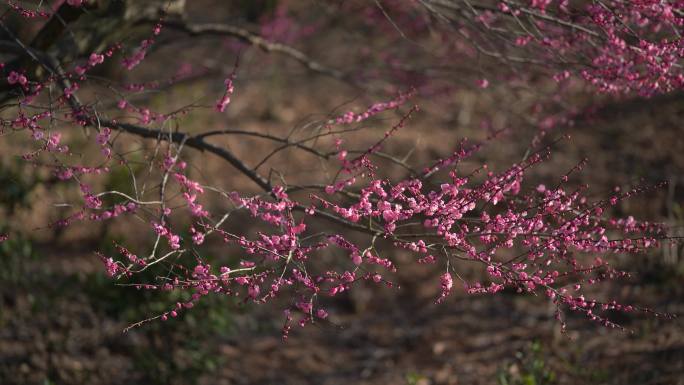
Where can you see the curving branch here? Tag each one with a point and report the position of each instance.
(218, 29)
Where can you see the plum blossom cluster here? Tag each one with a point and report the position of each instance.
(630, 46)
(223, 102)
(28, 12)
(547, 240)
(539, 239)
(352, 117)
(649, 66)
(617, 46)
(138, 56)
(529, 238)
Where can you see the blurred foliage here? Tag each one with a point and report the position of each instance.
(16, 182)
(416, 379)
(193, 335)
(529, 368)
(15, 253)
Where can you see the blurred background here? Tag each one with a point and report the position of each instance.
(301, 62)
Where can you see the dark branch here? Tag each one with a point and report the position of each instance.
(257, 41)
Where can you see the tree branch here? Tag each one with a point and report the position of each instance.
(257, 41)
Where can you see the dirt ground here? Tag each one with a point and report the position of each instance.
(62, 326)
